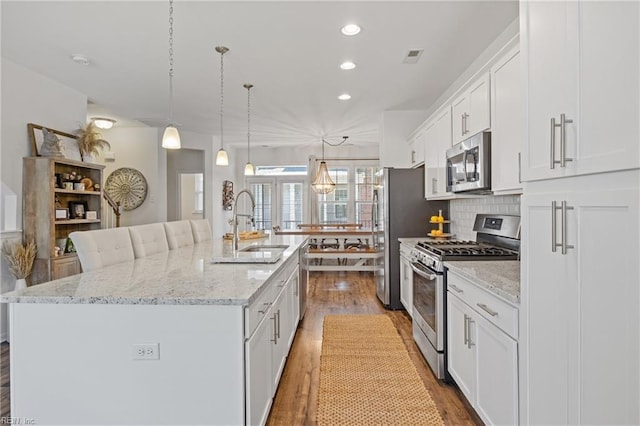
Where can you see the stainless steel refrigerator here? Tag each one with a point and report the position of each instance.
(399, 210)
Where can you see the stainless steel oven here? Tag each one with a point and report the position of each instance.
(429, 315)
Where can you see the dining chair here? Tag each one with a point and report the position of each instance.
(178, 234)
(102, 247)
(201, 230)
(148, 239)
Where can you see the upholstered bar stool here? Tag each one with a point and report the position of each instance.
(102, 247)
(178, 234)
(201, 230)
(148, 239)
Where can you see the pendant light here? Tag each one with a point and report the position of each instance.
(171, 137)
(249, 169)
(222, 159)
(323, 184)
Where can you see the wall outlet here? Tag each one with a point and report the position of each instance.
(146, 351)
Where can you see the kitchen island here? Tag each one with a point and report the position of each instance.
(166, 339)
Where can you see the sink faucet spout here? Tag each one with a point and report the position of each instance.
(236, 236)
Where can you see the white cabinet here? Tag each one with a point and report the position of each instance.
(276, 313)
(472, 110)
(437, 142)
(581, 64)
(482, 352)
(581, 305)
(259, 384)
(416, 149)
(406, 279)
(507, 123)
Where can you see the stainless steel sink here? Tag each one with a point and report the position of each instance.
(264, 247)
(254, 254)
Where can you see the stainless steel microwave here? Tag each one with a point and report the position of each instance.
(468, 164)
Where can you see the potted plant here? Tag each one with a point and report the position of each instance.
(90, 142)
(20, 258)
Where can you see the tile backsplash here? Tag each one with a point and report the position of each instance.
(463, 212)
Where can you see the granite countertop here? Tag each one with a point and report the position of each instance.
(183, 276)
(500, 277)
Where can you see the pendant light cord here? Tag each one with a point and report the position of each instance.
(171, 62)
(221, 99)
(248, 86)
(344, 139)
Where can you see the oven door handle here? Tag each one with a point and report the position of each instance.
(422, 272)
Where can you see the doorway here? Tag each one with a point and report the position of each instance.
(186, 187)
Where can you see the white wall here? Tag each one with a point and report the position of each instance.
(28, 97)
(136, 148)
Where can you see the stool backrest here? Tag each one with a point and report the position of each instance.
(178, 234)
(102, 247)
(201, 230)
(148, 239)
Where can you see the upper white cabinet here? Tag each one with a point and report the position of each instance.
(507, 124)
(472, 110)
(581, 87)
(416, 149)
(437, 141)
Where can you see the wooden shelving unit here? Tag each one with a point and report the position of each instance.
(39, 203)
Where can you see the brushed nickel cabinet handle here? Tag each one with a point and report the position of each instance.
(462, 124)
(554, 244)
(487, 309)
(434, 185)
(563, 237)
(519, 167)
(553, 143)
(275, 334)
(469, 342)
(278, 322)
(563, 140)
(453, 287)
(466, 329)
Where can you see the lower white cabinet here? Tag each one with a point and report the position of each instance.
(580, 300)
(482, 358)
(406, 279)
(258, 365)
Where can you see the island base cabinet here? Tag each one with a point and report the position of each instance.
(73, 364)
(581, 301)
(259, 382)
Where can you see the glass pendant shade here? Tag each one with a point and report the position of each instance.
(171, 138)
(249, 169)
(222, 159)
(323, 184)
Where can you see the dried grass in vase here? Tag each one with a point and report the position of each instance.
(90, 140)
(20, 257)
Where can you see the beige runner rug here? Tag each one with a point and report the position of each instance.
(367, 377)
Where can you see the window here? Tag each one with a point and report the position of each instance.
(351, 201)
(280, 193)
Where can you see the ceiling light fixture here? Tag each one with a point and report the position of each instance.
(323, 184)
(222, 159)
(103, 123)
(79, 58)
(350, 29)
(347, 65)
(171, 137)
(249, 169)
(344, 97)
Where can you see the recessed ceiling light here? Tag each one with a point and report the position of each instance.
(344, 97)
(350, 29)
(80, 59)
(347, 65)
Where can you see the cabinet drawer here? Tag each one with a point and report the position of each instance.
(495, 310)
(405, 250)
(255, 312)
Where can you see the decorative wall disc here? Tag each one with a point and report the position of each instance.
(128, 186)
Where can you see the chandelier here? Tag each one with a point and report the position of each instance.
(323, 184)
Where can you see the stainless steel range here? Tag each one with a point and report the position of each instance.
(497, 238)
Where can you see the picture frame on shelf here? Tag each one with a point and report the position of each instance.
(68, 142)
(77, 209)
(62, 214)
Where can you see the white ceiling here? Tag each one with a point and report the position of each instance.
(290, 51)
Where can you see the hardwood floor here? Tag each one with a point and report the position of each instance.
(296, 400)
(348, 293)
(5, 405)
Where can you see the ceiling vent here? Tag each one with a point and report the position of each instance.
(412, 56)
